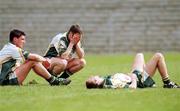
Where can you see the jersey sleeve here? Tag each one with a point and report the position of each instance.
(19, 54)
(107, 82)
(61, 46)
(25, 54)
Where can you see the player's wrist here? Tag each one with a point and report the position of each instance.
(46, 63)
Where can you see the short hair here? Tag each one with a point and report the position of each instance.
(75, 29)
(91, 85)
(15, 33)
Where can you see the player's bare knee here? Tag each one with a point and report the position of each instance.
(31, 63)
(82, 62)
(139, 55)
(62, 64)
(159, 55)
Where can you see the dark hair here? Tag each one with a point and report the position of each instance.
(91, 85)
(15, 33)
(75, 29)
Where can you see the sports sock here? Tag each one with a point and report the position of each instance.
(52, 73)
(166, 80)
(65, 74)
(50, 79)
(53, 80)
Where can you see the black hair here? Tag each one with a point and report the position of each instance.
(15, 33)
(75, 29)
(91, 85)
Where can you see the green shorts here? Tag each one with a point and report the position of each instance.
(13, 81)
(148, 82)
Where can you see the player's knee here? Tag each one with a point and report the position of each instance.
(31, 63)
(63, 63)
(139, 55)
(159, 55)
(82, 62)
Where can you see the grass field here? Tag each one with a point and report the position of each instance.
(75, 97)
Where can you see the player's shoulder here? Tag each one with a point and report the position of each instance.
(11, 47)
(60, 35)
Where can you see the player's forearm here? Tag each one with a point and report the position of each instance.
(36, 57)
(79, 51)
(69, 49)
(66, 54)
(133, 85)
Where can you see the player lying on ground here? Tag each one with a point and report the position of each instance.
(15, 63)
(140, 76)
(61, 53)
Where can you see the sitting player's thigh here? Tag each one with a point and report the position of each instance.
(56, 61)
(23, 70)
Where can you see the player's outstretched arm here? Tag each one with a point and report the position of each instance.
(36, 57)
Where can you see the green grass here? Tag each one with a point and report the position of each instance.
(74, 97)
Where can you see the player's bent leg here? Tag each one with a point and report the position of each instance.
(74, 65)
(57, 65)
(162, 65)
(138, 63)
(151, 65)
(23, 70)
(42, 71)
(156, 62)
(138, 68)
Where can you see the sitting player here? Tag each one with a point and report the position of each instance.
(15, 63)
(140, 76)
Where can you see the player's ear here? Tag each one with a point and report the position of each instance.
(15, 39)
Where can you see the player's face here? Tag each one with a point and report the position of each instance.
(74, 37)
(19, 42)
(97, 80)
(77, 37)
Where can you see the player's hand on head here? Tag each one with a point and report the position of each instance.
(72, 40)
(76, 39)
